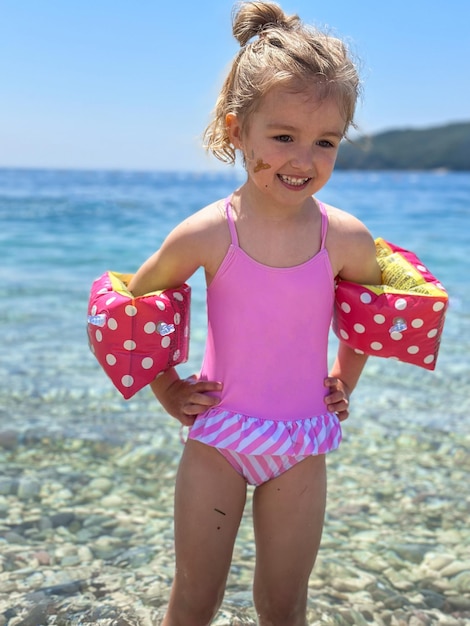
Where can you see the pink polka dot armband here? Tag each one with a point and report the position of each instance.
(135, 339)
(403, 318)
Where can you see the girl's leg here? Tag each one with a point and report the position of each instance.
(288, 516)
(209, 501)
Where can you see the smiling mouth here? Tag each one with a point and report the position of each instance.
(293, 181)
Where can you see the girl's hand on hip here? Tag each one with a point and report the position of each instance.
(186, 398)
(337, 399)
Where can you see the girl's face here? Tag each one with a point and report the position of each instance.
(290, 144)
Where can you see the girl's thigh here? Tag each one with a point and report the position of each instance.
(209, 501)
(288, 517)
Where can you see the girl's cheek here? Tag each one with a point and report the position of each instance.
(261, 165)
(257, 164)
(249, 156)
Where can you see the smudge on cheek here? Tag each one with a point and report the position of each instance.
(249, 156)
(261, 165)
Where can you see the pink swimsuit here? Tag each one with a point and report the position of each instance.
(267, 342)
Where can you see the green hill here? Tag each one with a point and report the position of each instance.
(443, 147)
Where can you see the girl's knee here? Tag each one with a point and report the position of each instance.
(191, 615)
(193, 607)
(288, 618)
(278, 611)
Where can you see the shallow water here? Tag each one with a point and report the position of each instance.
(86, 478)
(59, 230)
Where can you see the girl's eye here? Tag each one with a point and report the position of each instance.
(283, 138)
(325, 144)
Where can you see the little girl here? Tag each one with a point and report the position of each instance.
(263, 410)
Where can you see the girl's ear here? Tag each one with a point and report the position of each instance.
(234, 131)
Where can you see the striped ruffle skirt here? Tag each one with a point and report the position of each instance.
(256, 436)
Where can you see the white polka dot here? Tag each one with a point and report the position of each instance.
(150, 328)
(127, 381)
(178, 296)
(131, 310)
(99, 336)
(110, 300)
(357, 351)
(421, 268)
(376, 345)
(186, 331)
(344, 334)
(379, 318)
(345, 307)
(438, 306)
(359, 328)
(365, 297)
(102, 291)
(401, 304)
(432, 333)
(94, 308)
(111, 359)
(112, 323)
(166, 342)
(396, 336)
(417, 323)
(412, 350)
(147, 363)
(160, 304)
(428, 359)
(129, 344)
(176, 355)
(177, 319)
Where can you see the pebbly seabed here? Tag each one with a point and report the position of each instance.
(86, 531)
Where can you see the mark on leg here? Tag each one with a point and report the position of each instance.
(219, 511)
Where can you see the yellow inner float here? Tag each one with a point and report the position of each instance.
(401, 276)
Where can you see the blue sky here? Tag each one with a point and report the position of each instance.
(130, 84)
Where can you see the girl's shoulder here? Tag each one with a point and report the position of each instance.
(204, 235)
(351, 246)
(199, 227)
(342, 223)
(200, 240)
(204, 221)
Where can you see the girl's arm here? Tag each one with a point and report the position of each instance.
(180, 255)
(185, 250)
(184, 399)
(342, 380)
(357, 262)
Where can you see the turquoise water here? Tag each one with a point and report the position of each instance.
(61, 229)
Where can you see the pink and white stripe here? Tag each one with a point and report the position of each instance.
(257, 470)
(255, 436)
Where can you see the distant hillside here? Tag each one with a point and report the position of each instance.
(446, 147)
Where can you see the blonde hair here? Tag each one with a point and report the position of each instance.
(277, 49)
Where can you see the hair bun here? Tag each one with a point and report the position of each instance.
(252, 18)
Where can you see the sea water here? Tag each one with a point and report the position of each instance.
(59, 230)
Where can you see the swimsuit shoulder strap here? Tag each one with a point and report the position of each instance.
(324, 223)
(231, 224)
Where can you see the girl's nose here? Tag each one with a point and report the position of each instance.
(302, 159)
